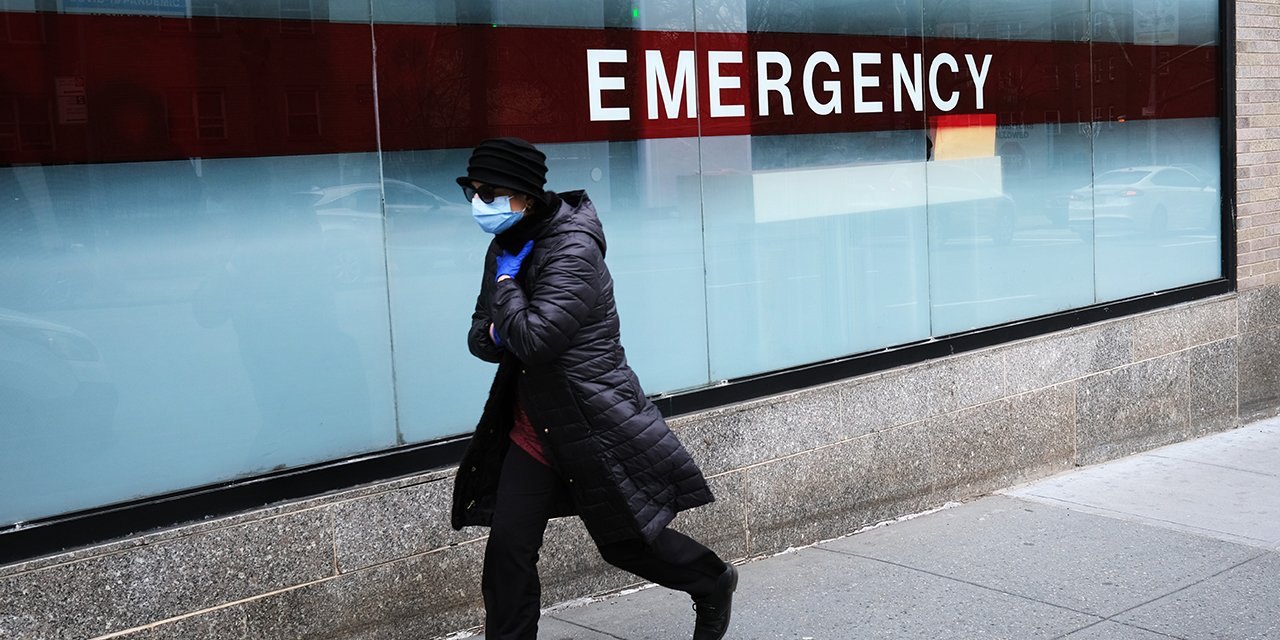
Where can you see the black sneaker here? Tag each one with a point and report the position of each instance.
(713, 611)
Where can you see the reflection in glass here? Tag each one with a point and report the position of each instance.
(647, 196)
(823, 258)
(202, 267)
(850, 17)
(1156, 206)
(1157, 211)
(999, 183)
(172, 324)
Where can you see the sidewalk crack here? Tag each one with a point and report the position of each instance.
(1216, 466)
(962, 581)
(592, 629)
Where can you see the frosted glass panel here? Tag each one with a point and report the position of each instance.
(1000, 243)
(648, 198)
(1157, 210)
(216, 255)
(646, 194)
(854, 17)
(816, 247)
(171, 324)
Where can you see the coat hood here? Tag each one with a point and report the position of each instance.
(576, 213)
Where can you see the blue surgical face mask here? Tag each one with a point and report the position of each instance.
(495, 217)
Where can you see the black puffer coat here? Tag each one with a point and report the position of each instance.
(627, 473)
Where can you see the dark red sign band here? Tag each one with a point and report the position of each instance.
(79, 88)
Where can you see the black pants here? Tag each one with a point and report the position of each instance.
(512, 593)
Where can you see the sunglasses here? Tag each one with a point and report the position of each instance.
(485, 191)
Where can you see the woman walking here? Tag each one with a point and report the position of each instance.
(567, 429)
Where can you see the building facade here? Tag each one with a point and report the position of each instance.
(870, 256)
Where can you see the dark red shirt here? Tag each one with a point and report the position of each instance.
(522, 434)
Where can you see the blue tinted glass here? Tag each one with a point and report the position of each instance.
(1157, 210)
(168, 322)
(816, 247)
(171, 324)
(435, 252)
(855, 17)
(1006, 238)
(1156, 206)
(646, 194)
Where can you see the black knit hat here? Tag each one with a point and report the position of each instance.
(508, 162)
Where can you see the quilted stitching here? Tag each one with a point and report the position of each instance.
(560, 327)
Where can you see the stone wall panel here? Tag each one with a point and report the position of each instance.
(1042, 362)
(737, 437)
(1214, 400)
(396, 524)
(228, 623)
(570, 566)
(120, 591)
(1002, 443)
(1259, 376)
(1165, 331)
(835, 490)
(721, 525)
(418, 597)
(1133, 409)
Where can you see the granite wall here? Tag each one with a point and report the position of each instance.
(381, 562)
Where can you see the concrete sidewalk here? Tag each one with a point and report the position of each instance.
(1181, 542)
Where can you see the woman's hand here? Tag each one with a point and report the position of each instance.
(509, 265)
(493, 333)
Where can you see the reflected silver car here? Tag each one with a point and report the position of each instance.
(54, 386)
(1153, 199)
(351, 220)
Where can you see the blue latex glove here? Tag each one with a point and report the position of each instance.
(509, 265)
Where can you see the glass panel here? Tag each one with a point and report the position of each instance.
(203, 257)
(170, 324)
(648, 198)
(655, 15)
(646, 192)
(181, 299)
(815, 222)
(1006, 241)
(1157, 210)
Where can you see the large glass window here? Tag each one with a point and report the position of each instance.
(231, 241)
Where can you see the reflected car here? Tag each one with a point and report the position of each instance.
(351, 220)
(1150, 200)
(54, 386)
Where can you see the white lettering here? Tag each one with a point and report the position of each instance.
(903, 79)
(667, 90)
(717, 83)
(685, 84)
(861, 82)
(597, 84)
(950, 61)
(832, 86)
(767, 84)
(979, 78)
